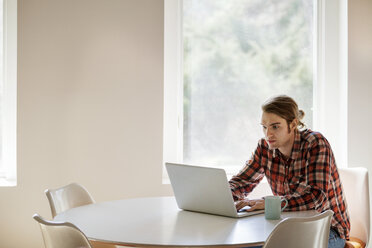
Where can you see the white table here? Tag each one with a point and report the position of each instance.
(154, 222)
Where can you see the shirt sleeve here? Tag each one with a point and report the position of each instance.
(247, 179)
(310, 190)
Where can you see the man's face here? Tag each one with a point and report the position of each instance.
(277, 133)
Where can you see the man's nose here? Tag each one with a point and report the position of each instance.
(268, 133)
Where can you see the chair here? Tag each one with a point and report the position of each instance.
(71, 196)
(61, 234)
(356, 189)
(66, 197)
(308, 232)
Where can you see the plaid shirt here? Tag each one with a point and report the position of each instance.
(308, 179)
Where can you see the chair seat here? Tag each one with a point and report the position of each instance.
(354, 243)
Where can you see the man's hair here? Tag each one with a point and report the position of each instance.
(285, 107)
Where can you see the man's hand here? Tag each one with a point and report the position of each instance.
(253, 204)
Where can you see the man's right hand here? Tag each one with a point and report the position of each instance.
(253, 204)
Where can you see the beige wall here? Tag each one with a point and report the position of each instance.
(90, 103)
(360, 85)
(90, 106)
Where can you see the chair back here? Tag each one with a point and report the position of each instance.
(61, 234)
(356, 189)
(304, 232)
(66, 197)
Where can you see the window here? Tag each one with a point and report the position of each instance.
(224, 58)
(236, 55)
(8, 42)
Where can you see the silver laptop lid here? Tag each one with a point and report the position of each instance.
(201, 189)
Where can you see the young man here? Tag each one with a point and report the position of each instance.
(299, 166)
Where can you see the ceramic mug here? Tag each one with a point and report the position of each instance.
(273, 207)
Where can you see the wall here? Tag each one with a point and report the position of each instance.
(90, 106)
(360, 85)
(90, 103)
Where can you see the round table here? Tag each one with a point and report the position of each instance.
(154, 222)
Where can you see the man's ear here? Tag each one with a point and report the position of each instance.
(294, 124)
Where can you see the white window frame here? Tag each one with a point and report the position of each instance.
(330, 79)
(8, 168)
(173, 84)
(331, 85)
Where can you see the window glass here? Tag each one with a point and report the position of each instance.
(8, 92)
(238, 53)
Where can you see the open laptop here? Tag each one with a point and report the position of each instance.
(203, 189)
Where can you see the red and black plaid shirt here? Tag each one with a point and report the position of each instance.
(308, 179)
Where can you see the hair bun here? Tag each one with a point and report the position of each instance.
(301, 114)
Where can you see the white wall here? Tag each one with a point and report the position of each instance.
(90, 106)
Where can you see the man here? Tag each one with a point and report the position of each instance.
(299, 166)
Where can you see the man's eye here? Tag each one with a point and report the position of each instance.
(264, 127)
(275, 127)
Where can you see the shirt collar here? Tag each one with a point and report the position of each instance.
(296, 145)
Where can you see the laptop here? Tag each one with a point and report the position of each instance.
(203, 189)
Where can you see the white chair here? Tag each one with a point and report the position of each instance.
(61, 234)
(308, 232)
(356, 189)
(71, 196)
(67, 197)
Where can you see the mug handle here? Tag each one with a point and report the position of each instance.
(286, 203)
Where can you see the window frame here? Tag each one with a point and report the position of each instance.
(329, 86)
